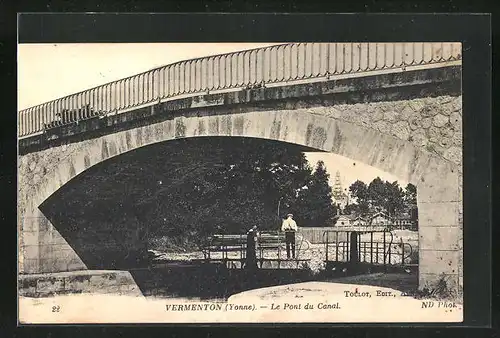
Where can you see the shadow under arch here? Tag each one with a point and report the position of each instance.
(106, 213)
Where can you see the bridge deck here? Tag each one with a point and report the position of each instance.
(269, 66)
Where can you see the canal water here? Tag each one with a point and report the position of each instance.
(210, 281)
(215, 281)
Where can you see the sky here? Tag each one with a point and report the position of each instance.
(51, 71)
(350, 170)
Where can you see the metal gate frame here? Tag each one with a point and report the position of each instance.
(371, 248)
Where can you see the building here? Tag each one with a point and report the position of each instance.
(343, 221)
(359, 221)
(404, 221)
(376, 220)
(350, 220)
(380, 218)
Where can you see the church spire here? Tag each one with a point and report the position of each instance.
(338, 194)
(337, 187)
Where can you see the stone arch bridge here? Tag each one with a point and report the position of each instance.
(396, 107)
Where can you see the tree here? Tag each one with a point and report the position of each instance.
(287, 180)
(351, 209)
(410, 202)
(253, 181)
(393, 199)
(315, 202)
(410, 195)
(230, 190)
(382, 196)
(190, 190)
(376, 194)
(359, 190)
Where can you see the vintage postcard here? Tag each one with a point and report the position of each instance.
(240, 183)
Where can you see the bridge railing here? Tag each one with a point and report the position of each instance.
(262, 66)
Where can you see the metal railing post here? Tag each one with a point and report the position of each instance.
(402, 252)
(384, 251)
(326, 244)
(337, 247)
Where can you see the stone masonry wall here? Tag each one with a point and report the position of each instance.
(432, 124)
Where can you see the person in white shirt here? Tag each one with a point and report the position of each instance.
(289, 227)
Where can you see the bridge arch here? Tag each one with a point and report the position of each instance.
(361, 143)
(329, 129)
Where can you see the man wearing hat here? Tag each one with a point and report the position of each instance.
(289, 227)
(251, 256)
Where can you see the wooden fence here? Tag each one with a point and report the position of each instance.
(314, 234)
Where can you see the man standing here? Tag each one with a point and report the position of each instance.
(289, 227)
(251, 259)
